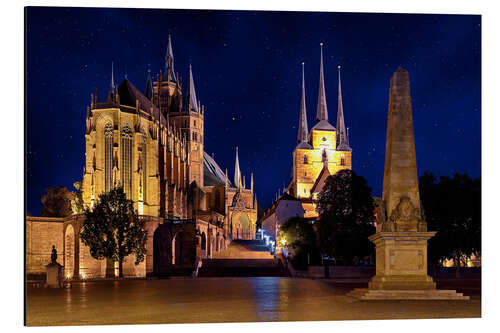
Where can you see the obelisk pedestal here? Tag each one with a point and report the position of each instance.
(401, 238)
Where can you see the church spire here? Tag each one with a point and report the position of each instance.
(302, 134)
(112, 85)
(322, 111)
(342, 138)
(237, 172)
(149, 86)
(169, 63)
(191, 103)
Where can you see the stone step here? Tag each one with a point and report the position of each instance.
(433, 294)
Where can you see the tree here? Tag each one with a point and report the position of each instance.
(57, 202)
(77, 204)
(297, 234)
(452, 208)
(346, 211)
(113, 230)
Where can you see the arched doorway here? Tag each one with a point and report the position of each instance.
(209, 245)
(163, 250)
(203, 245)
(69, 252)
(178, 249)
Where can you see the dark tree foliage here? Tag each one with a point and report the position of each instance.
(452, 207)
(299, 235)
(346, 211)
(57, 202)
(113, 230)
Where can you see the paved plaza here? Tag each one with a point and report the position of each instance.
(210, 300)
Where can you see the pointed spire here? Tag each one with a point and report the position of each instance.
(149, 86)
(169, 63)
(322, 111)
(342, 138)
(237, 172)
(191, 104)
(112, 86)
(302, 134)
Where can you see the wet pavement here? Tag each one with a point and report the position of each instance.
(209, 300)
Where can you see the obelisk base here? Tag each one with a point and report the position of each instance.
(401, 271)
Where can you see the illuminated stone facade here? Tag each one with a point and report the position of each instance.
(320, 152)
(152, 144)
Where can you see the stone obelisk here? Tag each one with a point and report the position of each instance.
(401, 237)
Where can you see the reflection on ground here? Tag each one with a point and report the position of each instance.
(205, 300)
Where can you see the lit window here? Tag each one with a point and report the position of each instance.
(144, 160)
(126, 149)
(108, 156)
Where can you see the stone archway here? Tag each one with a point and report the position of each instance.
(203, 245)
(163, 250)
(69, 252)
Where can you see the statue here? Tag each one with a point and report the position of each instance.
(53, 256)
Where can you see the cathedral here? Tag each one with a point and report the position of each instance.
(151, 143)
(321, 151)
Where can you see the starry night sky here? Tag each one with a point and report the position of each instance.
(246, 67)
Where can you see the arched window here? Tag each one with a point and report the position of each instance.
(108, 156)
(305, 159)
(126, 149)
(144, 160)
(342, 159)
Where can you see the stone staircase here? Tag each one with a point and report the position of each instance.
(242, 258)
(430, 294)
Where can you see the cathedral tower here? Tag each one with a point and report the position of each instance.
(185, 114)
(320, 152)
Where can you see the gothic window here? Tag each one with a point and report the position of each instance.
(342, 159)
(195, 123)
(305, 159)
(108, 156)
(144, 160)
(126, 148)
(194, 136)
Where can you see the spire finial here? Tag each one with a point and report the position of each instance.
(169, 62)
(342, 137)
(303, 129)
(112, 86)
(149, 86)
(191, 103)
(322, 111)
(237, 172)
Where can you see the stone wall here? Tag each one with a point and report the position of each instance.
(41, 234)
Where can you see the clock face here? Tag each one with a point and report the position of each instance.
(324, 139)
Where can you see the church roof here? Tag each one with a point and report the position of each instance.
(304, 145)
(320, 181)
(129, 94)
(288, 197)
(323, 125)
(213, 174)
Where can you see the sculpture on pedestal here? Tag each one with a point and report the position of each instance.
(401, 237)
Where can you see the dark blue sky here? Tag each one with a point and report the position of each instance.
(246, 67)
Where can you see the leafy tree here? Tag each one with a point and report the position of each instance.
(57, 202)
(113, 230)
(298, 235)
(452, 207)
(346, 211)
(77, 204)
